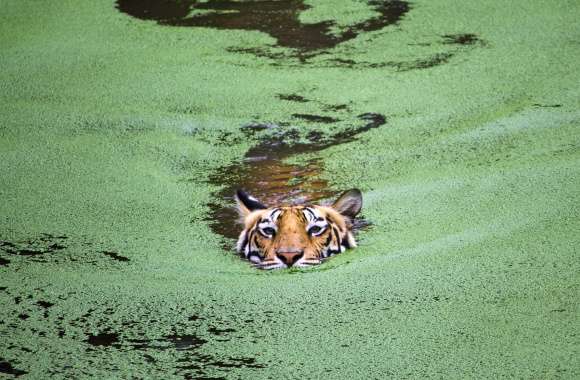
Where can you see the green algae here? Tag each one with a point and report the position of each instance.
(111, 127)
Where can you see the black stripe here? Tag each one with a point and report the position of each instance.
(310, 212)
(255, 242)
(328, 240)
(242, 249)
(252, 241)
(336, 234)
(273, 212)
(345, 242)
(249, 242)
(337, 237)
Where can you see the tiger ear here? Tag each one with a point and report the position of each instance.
(349, 203)
(247, 203)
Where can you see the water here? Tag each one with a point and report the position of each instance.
(279, 19)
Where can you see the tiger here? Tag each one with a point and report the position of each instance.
(295, 235)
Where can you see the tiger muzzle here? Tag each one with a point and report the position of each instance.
(289, 256)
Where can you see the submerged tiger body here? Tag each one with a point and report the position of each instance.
(296, 236)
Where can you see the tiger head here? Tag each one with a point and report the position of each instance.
(296, 236)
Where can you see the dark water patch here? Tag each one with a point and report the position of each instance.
(347, 63)
(421, 44)
(49, 248)
(184, 347)
(293, 98)
(461, 39)
(7, 244)
(546, 105)
(7, 368)
(185, 342)
(198, 374)
(314, 136)
(204, 361)
(215, 136)
(315, 118)
(46, 306)
(115, 256)
(29, 252)
(3, 288)
(143, 344)
(104, 339)
(425, 63)
(278, 18)
(265, 53)
(56, 247)
(178, 342)
(23, 316)
(373, 120)
(220, 332)
(417, 64)
(251, 129)
(461, 42)
(84, 317)
(237, 363)
(265, 173)
(335, 107)
(34, 247)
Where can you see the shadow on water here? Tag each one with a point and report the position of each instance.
(265, 172)
(278, 18)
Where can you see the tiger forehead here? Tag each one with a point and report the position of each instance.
(302, 213)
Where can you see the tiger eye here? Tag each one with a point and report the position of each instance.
(269, 231)
(314, 230)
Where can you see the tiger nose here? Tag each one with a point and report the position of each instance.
(289, 257)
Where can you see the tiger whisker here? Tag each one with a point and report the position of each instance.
(307, 263)
(276, 266)
(269, 265)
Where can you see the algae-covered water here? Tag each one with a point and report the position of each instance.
(124, 127)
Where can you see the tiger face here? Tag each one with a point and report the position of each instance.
(296, 236)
